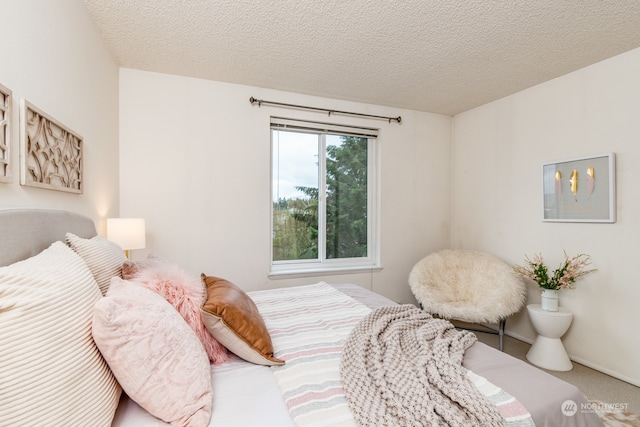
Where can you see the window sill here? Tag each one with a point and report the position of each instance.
(293, 273)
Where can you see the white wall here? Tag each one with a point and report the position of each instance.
(52, 55)
(195, 162)
(498, 152)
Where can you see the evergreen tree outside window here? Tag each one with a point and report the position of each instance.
(323, 196)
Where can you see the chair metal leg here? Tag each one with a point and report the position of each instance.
(503, 322)
(499, 332)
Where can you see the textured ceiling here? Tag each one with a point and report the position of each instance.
(439, 56)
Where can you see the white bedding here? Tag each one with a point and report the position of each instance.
(235, 384)
(244, 395)
(249, 395)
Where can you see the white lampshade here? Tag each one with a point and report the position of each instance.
(128, 233)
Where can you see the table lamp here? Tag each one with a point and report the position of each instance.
(128, 233)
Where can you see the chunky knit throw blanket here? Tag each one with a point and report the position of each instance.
(402, 367)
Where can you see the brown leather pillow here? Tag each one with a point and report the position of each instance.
(233, 319)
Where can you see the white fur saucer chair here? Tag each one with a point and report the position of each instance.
(470, 286)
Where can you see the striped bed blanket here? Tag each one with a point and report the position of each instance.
(309, 326)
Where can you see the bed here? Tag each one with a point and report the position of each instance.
(243, 393)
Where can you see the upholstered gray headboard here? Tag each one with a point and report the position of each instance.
(27, 232)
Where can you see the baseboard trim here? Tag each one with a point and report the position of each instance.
(519, 337)
(583, 362)
(605, 370)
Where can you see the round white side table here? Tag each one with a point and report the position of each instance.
(547, 350)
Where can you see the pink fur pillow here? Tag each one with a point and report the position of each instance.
(183, 291)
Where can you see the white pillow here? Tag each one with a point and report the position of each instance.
(103, 257)
(156, 357)
(51, 372)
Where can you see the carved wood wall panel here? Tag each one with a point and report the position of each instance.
(5, 134)
(51, 152)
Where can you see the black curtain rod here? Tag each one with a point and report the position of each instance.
(253, 100)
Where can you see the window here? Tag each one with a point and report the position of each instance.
(323, 197)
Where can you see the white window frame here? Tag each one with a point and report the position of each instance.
(323, 265)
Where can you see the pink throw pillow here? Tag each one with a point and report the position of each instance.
(154, 354)
(183, 291)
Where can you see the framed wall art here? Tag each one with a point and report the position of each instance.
(580, 190)
(51, 153)
(5, 134)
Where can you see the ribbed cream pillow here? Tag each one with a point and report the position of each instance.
(51, 372)
(103, 257)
